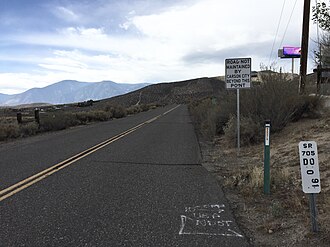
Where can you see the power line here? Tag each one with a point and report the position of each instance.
(278, 26)
(286, 28)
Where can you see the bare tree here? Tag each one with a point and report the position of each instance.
(321, 16)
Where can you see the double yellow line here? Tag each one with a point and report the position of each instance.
(12, 190)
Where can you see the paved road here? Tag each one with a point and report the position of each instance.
(145, 189)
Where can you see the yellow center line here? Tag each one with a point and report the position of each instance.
(15, 188)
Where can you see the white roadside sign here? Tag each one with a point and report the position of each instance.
(267, 134)
(238, 73)
(309, 167)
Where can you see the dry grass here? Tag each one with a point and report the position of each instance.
(256, 181)
(54, 120)
(282, 218)
(116, 111)
(275, 98)
(10, 129)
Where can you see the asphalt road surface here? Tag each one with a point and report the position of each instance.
(143, 188)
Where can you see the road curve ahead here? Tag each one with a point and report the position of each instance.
(142, 187)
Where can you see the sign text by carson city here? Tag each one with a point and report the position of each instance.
(238, 73)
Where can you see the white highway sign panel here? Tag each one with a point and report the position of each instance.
(309, 167)
(238, 73)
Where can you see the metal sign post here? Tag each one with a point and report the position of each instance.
(238, 75)
(312, 206)
(310, 175)
(238, 125)
(290, 52)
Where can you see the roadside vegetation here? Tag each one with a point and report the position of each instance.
(282, 218)
(60, 119)
(275, 98)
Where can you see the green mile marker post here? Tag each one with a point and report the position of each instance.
(267, 158)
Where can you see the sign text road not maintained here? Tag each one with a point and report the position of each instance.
(238, 73)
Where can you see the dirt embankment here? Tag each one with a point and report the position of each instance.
(283, 217)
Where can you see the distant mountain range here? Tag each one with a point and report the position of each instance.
(69, 91)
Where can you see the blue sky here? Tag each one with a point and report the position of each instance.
(133, 41)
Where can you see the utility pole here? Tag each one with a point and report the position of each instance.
(292, 68)
(304, 46)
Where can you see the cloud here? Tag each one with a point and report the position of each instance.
(12, 83)
(206, 22)
(126, 25)
(75, 61)
(151, 41)
(178, 32)
(86, 66)
(66, 14)
(255, 50)
(84, 32)
(208, 31)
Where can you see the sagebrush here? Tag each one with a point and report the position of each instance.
(276, 98)
(61, 119)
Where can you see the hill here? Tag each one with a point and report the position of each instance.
(173, 92)
(4, 97)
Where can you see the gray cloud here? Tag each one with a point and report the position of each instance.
(261, 49)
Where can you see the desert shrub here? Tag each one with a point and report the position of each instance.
(28, 129)
(116, 111)
(250, 130)
(198, 110)
(134, 109)
(250, 178)
(209, 124)
(256, 177)
(227, 107)
(275, 98)
(92, 116)
(59, 121)
(211, 115)
(98, 116)
(10, 130)
(205, 113)
(310, 107)
(282, 177)
(145, 107)
(82, 117)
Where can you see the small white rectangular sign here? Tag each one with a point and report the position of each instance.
(238, 73)
(267, 135)
(309, 167)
